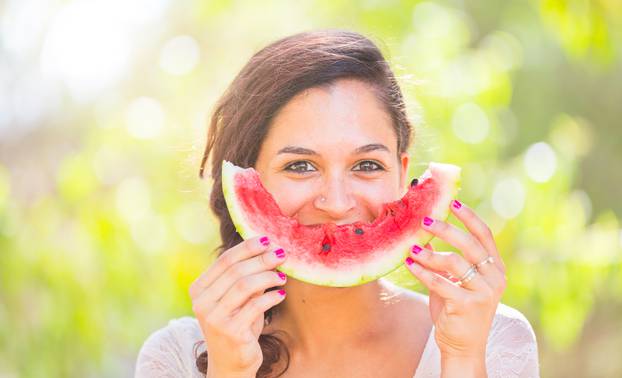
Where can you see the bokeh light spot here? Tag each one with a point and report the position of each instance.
(179, 55)
(191, 223)
(571, 136)
(586, 203)
(470, 123)
(433, 20)
(540, 162)
(144, 118)
(508, 198)
(110, 165)
(133, 199)
(504, 50)
(87, 47)
(474, 180)
(151, 233)
(75, 178)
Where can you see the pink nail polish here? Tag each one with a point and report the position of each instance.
(457, 204)
(409, 261)
(428, 221)
(282, 275)
(416, 249)
(264, 240)
(282, 292)
(280, 253)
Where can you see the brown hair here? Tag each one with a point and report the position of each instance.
(265, 84)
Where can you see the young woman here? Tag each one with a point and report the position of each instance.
(321, 117)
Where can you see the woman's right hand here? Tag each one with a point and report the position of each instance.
(229, 301)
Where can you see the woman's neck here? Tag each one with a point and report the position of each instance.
(316, 318)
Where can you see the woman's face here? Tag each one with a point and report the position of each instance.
(331, 156)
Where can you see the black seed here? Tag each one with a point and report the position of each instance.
(414, 182)
(358, 231)
(326, 247)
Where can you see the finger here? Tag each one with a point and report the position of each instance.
(479, 229)
(449, 261)
(240, 271)
(258, 306)
(434, 282)
(465, 243)
(245, 288)
(244, 250)
(445, 274)
(441, 272)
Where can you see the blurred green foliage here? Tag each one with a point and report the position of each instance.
(104, 222)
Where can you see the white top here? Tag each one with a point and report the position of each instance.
(511, 351)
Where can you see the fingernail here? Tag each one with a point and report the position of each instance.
(428, 221)
(416, 249)
(282, 275)
(264, 240)
(457, 204)
(280, 253)
(282, 292)
(409, 260)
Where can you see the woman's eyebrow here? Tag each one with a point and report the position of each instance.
(371, 147)
(296, 150)
(305, 151)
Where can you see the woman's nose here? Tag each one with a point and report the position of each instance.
(335, 198)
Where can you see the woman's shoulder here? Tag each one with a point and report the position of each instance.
(509, 324)
(185, 326)
(170, 350)
(175, 333)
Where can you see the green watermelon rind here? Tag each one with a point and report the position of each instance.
(391, 259)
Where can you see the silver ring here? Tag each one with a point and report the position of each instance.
(468, 275)
(485, 261)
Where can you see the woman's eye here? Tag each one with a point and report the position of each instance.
(368, 166)
(300, 167)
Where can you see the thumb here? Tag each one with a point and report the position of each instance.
(429, 246)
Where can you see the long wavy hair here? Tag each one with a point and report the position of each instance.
(272, 77)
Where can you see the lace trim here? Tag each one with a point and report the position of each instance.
(169, 352)
(512, 350)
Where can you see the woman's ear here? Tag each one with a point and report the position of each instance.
(404, 161)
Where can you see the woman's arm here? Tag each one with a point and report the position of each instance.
(463, 367)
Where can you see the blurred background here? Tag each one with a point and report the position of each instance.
(104, 222)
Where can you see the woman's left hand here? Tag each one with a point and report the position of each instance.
(462, 313)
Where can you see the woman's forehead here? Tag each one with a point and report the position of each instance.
(347, 114)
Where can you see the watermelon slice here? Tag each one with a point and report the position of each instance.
(341, 255)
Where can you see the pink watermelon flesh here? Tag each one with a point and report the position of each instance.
(340, 255)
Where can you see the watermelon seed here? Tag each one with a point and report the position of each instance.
(326, 247)
(358, 231)
(414, 182)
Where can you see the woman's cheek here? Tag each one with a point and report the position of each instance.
(373, 195)
(291, 196)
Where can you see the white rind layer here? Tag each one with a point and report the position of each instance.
(229, 170)
(356, 273)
